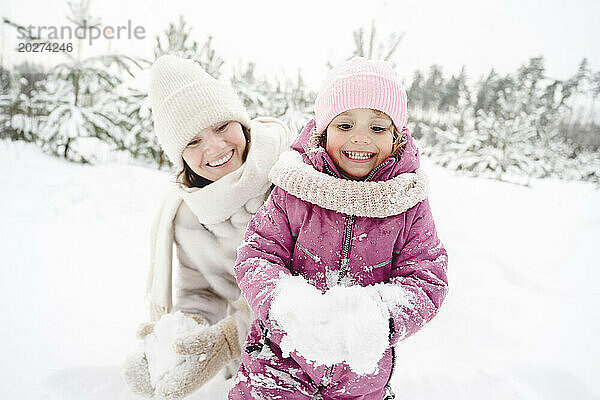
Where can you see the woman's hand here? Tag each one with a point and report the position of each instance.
(208, 349)
(137, 375)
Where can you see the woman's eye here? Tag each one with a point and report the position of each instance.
(194, 142)
(222, 127)
(344, 127)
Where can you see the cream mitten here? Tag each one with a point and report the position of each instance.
(210, 348)
(135, 367)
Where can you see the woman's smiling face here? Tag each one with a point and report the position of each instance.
(359, 140)
(217, 150)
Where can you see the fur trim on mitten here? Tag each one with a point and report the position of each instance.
(137, 375)
(144, 329)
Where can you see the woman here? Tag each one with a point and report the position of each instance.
(223, 160)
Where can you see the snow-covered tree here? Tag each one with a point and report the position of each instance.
(21, 109)
(177, 39)
(415, 90)
(80, 97)
(455, 93)
(367, 45)
(140, 140)
(299, 104)
(285, 98)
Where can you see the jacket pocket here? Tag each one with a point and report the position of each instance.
(305, 260)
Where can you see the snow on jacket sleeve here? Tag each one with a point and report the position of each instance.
(265, 254)
(419, 270)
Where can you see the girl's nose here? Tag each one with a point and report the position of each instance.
(360, 138)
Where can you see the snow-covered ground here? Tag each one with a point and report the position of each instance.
(522, 319)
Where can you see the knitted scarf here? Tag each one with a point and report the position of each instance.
(378, 199)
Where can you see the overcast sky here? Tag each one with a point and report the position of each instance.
(283, 36)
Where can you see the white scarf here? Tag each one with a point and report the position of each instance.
(218, 201)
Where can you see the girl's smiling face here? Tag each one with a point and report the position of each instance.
(359, 140)
(217, 150)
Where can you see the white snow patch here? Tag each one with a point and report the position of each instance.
(158, 345)
(361, 237)
(343, 324)
(519, 320)
(392, 295)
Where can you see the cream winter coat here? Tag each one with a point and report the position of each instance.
(207, 225)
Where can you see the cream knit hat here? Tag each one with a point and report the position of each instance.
(185, 100)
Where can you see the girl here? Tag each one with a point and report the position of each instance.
(349, 208)
(222, 159)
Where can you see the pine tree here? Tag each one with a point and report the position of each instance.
(287, 99)
(82, 98)
(140, 141)
(366, 44)
(455, 95)
(177, 40)
(415, 90)
(433, 87)
(254, 91)
(299, 100)
(21, 108)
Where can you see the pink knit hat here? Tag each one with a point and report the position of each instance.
(360, 83)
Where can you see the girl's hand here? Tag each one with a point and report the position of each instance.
(345, 324)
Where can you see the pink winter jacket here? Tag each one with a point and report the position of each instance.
(308, 228)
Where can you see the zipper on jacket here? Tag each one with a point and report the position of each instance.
(348, 231)
(329, 373)
(377, 168)
(329, 171)
(390, 393)
(327, 378)
(346, 247)
(345, 252)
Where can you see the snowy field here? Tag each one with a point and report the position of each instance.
(522, 319)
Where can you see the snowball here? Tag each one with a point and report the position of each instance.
(158, 345)
(344, 324)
